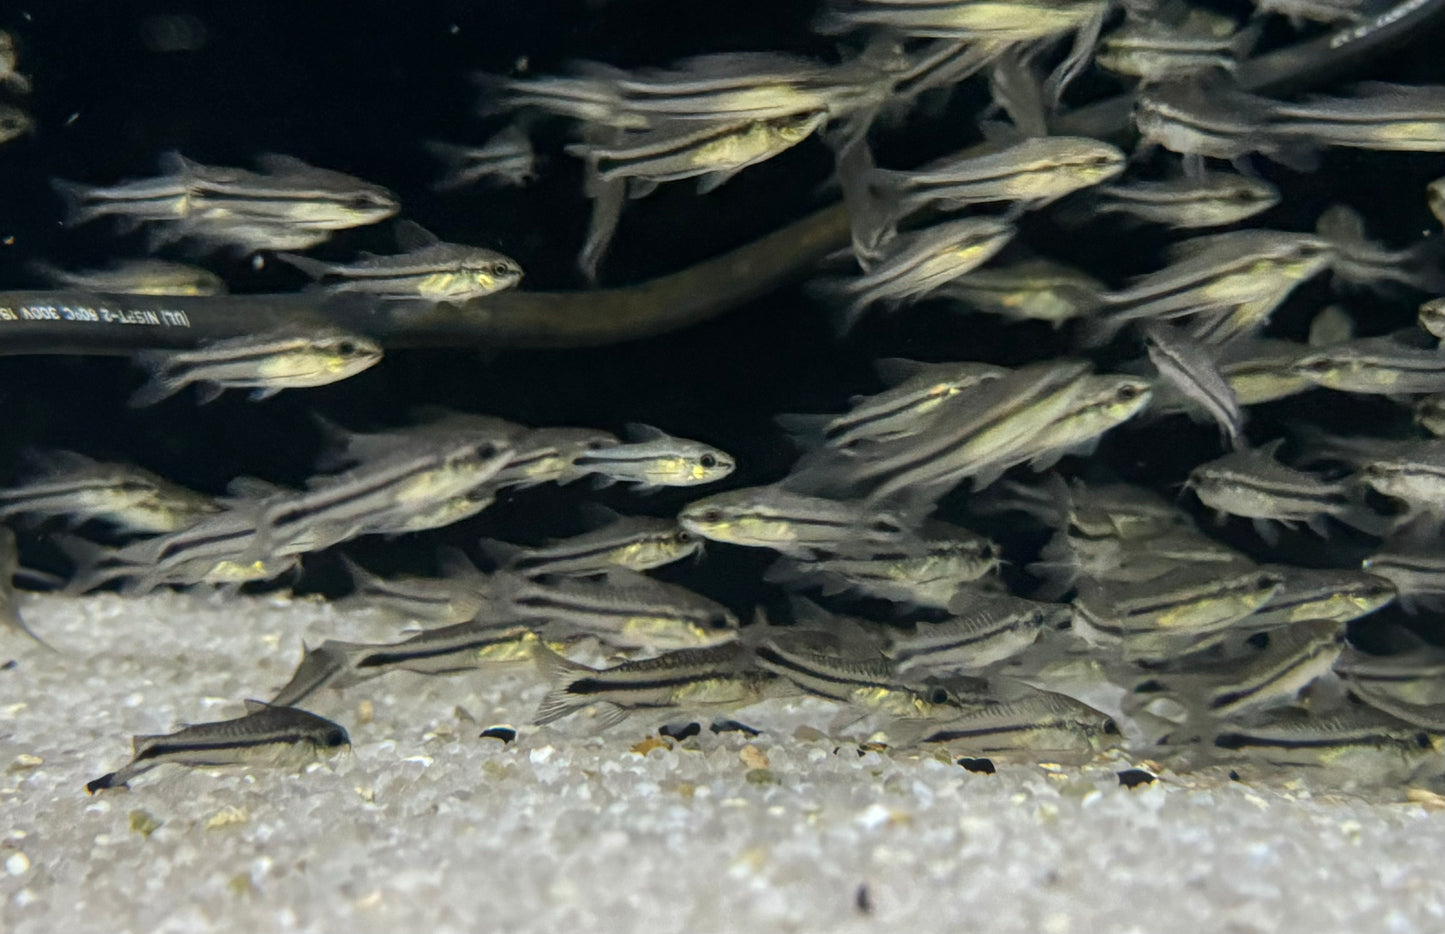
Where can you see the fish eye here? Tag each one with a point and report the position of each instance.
(346, 348)
(1111, 728)
(938, 695)
(708, 461)
(596, 444)
(712, 515)
(1318, 365)
(1422, 739)
(1128, 392)
(683, 537)
(719, 623)
(500, 269)
(336, 737)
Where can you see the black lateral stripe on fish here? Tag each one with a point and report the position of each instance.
(292, 735)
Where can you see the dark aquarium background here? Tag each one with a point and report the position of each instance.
(360, 86)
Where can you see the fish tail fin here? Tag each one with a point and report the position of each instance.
(833, 23)
(161, 386)
(16, 83)
(1362, 518)
(1086, 38)
(847, 315)
(108, 780)
(47, 271)
(314, 268)
(561, 673)
(870, 195)
(805, 431)
(10, 618)
(75, 196)
(361, 578)
(320, 667)
(608, 197)
(502, 554)
(1243, 41)
(336, 664)
(90, 559)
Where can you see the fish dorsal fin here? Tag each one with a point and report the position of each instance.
(807, 613)
(639, 433)
(277, 163)
(1341, 224)
(252, 488)
(1270, 449)
(331, 432)
(501, 553)
(412, 236)
(1017, 90)
(360, 576)
(806, 431)
(1167, 13)
(596, 516)
(453, 562)
(894, 370)
(430, 413)
(37, 460)
(173, 163)
(255, 706)
(999, 134)
(1333, 325)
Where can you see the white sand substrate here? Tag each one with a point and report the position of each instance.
(426, 827)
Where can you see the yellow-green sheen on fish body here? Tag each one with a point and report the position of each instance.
(429, 270)
(652, 458)
(266, 364)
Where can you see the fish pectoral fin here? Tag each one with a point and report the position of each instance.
(1267, 531)
(906, 732)
(712, 180)
(10, 617)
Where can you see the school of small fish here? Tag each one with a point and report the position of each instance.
(1133, 628)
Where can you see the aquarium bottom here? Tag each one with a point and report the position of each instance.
(427, 826)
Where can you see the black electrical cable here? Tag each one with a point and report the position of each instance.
(70, 322)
